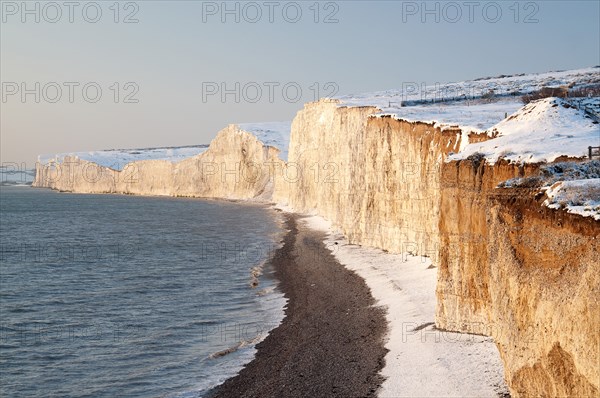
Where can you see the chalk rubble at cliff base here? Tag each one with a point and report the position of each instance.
(421, 361)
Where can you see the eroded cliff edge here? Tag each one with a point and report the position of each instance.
(508, 267)
(524, 274)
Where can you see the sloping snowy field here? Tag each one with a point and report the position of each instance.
(116, 159)
(474, 105)
(541, 131)
(470, 116)
(275, 134)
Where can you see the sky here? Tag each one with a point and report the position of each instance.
(91, 75)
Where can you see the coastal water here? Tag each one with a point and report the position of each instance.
(106, 296)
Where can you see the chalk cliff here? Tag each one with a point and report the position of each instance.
(524, 274)
(236, 166)
(508, 267)
(376, 178)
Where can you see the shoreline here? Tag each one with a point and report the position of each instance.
(331, 340)
(422, 360)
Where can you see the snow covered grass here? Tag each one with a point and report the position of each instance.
(541, 131)
(471, 116)
(422, 360)
(413, 92)
(275, 134)
(554, 172)
(116, 159)
(473, 105)
(572, 186)
(577, 196)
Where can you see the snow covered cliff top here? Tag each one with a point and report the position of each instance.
(577, 196)
(572, 186)
(541, 131)
(116, 159)
(474, 105)
(275, 134)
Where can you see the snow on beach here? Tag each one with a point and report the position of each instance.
(422, 361)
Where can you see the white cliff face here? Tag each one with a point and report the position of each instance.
(375, 178)
(386, 183)
(236, 166)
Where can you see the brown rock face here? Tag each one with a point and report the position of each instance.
(540, 379)
(529, 277)
(508, 267)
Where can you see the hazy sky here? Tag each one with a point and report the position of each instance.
(161, 75)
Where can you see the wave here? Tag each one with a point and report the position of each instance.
(255, 273)
(239, 345)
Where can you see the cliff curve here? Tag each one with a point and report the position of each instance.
(236, 166)
(509, 266)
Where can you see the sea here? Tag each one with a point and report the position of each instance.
(118, 295)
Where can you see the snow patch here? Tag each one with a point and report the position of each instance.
(577, 196)
(541, 131)
(474, 105)
(422, 361)
(469, 116)
(116, 159)
(275, 134)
